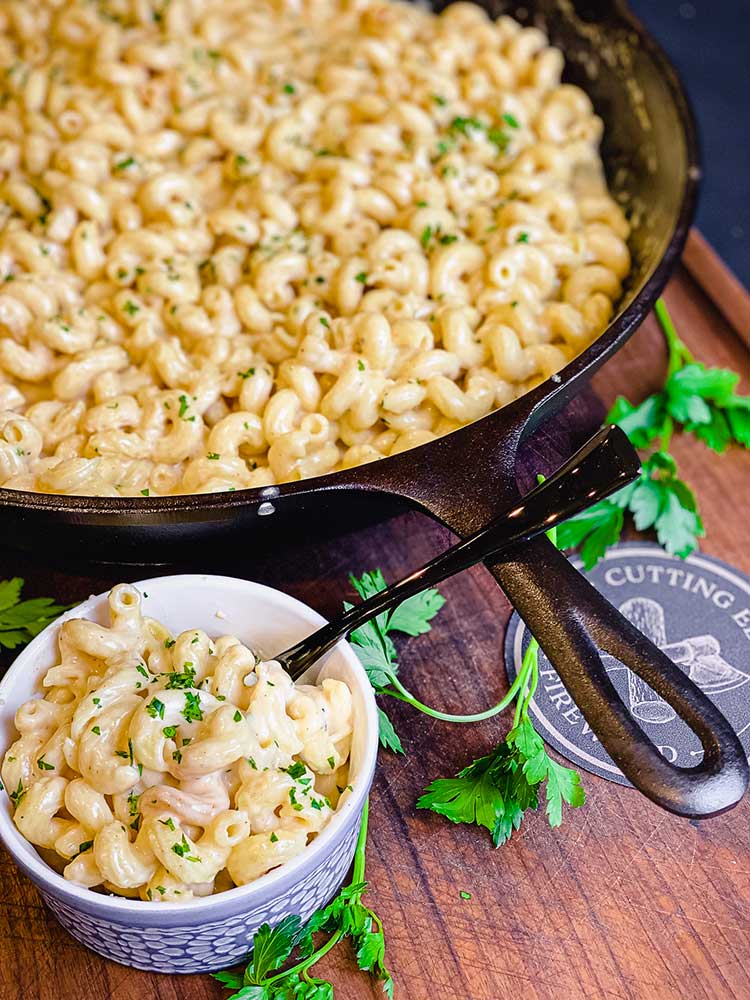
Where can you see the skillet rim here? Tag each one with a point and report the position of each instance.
(522, 414)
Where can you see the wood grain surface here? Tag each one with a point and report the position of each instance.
(623, 901)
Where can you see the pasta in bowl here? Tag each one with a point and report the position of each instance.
(244, 244)
(173, 767)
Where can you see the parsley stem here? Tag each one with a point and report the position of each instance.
(666, 433)
(679, 355)
(533, 682)
(307, 962)
(528, 665)
(403, 695)
(358, 873)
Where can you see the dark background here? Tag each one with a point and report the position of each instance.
(709, 42)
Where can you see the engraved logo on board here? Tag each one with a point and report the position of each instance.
(697, 611)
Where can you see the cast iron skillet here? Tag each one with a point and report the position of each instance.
(465, 478)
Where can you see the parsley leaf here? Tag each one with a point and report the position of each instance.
(414, 615)
(594, 530)
(700, 400)
(344, 917)
(496, 790)
(389, 738)
(373, 644)
(20, 620)
(271, 948)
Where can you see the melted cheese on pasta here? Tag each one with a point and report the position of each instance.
(167, 769)
(244, 243)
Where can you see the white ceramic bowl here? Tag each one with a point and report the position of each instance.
(216, 931)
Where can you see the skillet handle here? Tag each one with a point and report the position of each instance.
(572, 622)
(464, 482)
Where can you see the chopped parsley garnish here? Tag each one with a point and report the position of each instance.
(361, 277)
(131, 308)
(288, 88)
(17, 797)
(296, 770)
(464, 894)
(273, 838)
(192, 711)
(168, 822)
(247, 374)
(170, 732)
(44, 765)
(324, 322)
(212, 456)
(155, 708)
(464, 125)
(184, 405)
(183, 679)
(142, 670)
(498, 138)
(511, 120)
(332, 762)
(251, 762)
(522, 238)
(168, 643)
(426, 236)
(146, 492)
(129, 161)
(97, 730)
(297, 806)
(181, 850)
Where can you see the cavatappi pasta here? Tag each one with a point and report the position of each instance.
(168, 769)
(247, 242)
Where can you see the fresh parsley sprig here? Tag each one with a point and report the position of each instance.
(344, 917)
(495, 790)
(21, 620)
(699, 400)
(374, 646)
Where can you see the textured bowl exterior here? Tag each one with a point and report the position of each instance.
(216, 931)
(201, 945)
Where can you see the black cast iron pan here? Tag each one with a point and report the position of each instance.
(464, 479)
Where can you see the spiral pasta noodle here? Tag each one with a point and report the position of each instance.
(247, 243)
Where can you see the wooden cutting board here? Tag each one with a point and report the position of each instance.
(623, 901)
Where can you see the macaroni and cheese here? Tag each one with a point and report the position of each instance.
(166, 768)
(243, 243)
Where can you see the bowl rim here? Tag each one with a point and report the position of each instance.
(267, 886)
